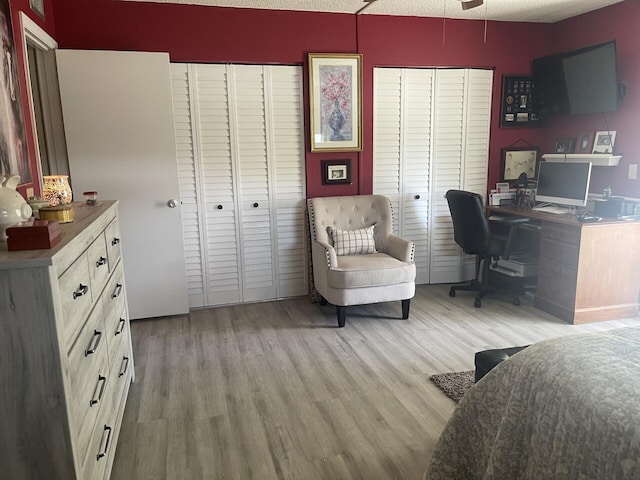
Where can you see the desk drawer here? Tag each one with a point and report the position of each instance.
(561, 233)
(557, 283)
(76, 296)
(553, 251)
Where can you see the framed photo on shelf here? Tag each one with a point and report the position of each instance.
(518, 160)
(517, 106)
(603, 142)
(336, 171)
(565, 145)
(584, 142)
(335, 101)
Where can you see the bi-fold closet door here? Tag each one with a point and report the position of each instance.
(239, 132)
(431, 134)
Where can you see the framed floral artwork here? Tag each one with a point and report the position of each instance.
(335, 101)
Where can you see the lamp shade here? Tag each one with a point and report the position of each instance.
(56, 189)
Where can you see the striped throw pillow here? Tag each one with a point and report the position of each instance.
(353, 242)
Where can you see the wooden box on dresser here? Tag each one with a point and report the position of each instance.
(65, 351)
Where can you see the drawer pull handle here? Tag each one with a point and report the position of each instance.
(124, 366)
(105, 442)
(102, 381)
(120, 326)
(82, 290)
(115, 241)
(117, 290)
(93, 344)
(101, 262)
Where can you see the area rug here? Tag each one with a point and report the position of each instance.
(454, 384)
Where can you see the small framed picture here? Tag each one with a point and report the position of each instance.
(565, 145)
(519, 160)
(603, 142)
(336, 171)
(584, 142)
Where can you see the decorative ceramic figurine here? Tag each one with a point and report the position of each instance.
(13, 208)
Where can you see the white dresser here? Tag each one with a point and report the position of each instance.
(65, 351)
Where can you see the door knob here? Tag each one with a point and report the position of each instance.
(172, 203)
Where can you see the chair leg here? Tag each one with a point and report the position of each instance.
(405, 308)
(342, 315)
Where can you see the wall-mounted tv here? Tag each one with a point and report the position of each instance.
(577, 82)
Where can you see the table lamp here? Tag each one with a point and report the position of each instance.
(57, 192)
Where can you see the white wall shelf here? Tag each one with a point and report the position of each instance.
(597, 159)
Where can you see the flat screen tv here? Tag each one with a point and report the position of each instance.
(564, 183)
(577, 82)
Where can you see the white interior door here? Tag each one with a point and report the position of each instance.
(118, 121)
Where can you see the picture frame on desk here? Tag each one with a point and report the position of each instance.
(565, 145)
(584, 142)
(518, 160)
(603, 141)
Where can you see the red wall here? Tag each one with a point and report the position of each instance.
(619, 22)
(208, 34)
(221, 35)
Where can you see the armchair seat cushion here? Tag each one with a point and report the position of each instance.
(372, 270)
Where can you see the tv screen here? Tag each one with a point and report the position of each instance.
(577, 82)
(591, 79)
(564, 183)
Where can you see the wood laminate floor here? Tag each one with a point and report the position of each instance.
(276, 391)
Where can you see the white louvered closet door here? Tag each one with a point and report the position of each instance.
(402, 151)
(431, 134)
(462, 116)
(235, 162)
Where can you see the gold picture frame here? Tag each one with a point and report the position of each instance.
(335, 102)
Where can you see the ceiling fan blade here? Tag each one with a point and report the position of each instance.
(466, 5)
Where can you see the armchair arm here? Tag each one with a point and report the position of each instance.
(323, 257)
(400, 248)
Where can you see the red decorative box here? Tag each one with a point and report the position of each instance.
(33, 235)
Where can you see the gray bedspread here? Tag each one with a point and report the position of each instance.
(566, 408)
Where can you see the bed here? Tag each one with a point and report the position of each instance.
(566, 408)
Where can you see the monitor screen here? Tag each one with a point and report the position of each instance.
(564, 183)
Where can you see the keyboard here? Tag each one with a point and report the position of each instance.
(551, 209)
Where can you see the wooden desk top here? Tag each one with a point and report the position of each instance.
(566, 219)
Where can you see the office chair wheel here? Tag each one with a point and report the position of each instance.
(477, 303)
(452, 292)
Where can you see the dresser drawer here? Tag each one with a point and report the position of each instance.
(98, 263)
(76, 298)
(112, 236)
(117, 329)
(99, 448)
(88, 404)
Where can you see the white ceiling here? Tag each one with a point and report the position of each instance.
(541, 11)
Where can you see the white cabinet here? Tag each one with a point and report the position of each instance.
(431, 134)
(239, 133)
(65, 352)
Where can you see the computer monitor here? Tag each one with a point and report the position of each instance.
(564, 183)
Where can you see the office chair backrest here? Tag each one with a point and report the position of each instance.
(470, 224)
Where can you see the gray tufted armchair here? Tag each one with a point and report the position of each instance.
(356, 258)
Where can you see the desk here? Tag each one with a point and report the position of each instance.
(587, 272)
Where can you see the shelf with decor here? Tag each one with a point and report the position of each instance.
(597, 159)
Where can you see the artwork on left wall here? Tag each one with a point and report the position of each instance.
(13, 145)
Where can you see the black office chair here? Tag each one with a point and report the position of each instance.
(476, 235)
